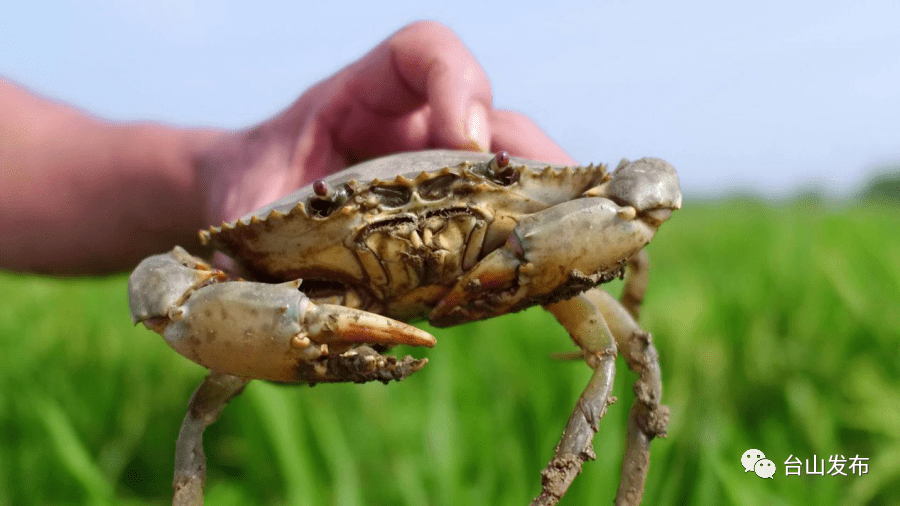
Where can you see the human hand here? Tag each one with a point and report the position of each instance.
(420, 88)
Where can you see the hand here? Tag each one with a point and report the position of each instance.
(419, 89)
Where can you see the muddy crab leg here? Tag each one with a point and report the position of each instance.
(190, 462)
(648, 418)
(599, 324)
(585, 323)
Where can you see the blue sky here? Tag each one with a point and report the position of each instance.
(765, 95)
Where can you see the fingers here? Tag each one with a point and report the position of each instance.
(433, 60)
(421, 88)
(426, 64)
(516, 133)
(364, 136)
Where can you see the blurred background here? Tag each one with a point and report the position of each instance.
(773, 300)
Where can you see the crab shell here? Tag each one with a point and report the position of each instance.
(395, 244)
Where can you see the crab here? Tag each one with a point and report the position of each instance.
(323, 282)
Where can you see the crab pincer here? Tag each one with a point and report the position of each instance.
(598, 232)
(261, 330)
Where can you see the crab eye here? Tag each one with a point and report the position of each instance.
(501, 159)
(320, 187)
(500, 171)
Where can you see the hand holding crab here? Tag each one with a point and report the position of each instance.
(448, 236)
(156, 184)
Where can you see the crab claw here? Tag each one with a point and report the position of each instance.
(266, 331)
(338, 325)
(564, 250)
(647, 184)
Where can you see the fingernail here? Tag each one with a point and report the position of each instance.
(477, 128)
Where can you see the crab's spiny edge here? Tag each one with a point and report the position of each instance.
(461, 170)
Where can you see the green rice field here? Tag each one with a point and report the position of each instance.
(777, 324)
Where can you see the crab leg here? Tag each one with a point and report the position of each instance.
(260, 330)
(648, 418)
(584, 321)
(190, 462)
(636, 279)
(599, 324)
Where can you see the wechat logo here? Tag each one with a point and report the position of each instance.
(756, 461)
